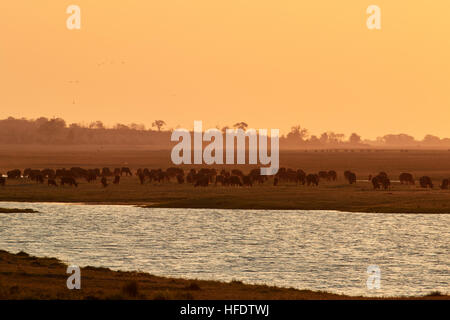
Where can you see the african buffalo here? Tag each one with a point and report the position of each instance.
(69, 180)
(332, 175)
(445, 184)
(126, 171)
(14, 174)
(2, 181)
(425, 182)
(350, 176)
(312, 179)
(406, 178)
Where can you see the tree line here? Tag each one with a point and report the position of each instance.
(56, 131)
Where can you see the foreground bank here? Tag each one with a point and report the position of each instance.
(26, 277)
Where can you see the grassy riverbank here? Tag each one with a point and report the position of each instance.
(26, 277)
(328, 196)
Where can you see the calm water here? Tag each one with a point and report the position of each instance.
(318, 250)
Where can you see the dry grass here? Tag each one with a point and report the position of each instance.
(26, 277)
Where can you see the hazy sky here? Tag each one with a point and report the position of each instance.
(272, 64)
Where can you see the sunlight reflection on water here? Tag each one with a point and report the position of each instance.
(317, 250)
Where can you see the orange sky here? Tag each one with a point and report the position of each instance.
(272, 64)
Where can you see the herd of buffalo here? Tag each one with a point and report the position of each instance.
(203, 177)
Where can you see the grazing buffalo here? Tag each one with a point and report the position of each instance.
(14, 174)
(381, 181)
(237, 172)
(383, 174)
(91, 176)
(425, 182)
(220, 179)
(235, 181)
(180, 178)
(141, 178)
(52, 182)
(275, 181)
(2, 181)
(350, 176)
(69, 180)
(48, 173)
(117, 171)
(332, 175)
(116, 180)
(247, 181)
(324, 175)
(312, 179)
(202, 181)
(126, 171)
(39, 179)
(106, 172)
(445, 184)
(104, 182)
(406, 178)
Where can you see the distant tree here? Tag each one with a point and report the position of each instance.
(355, 138)
(121, 126)
(159, 124)
(298, 132)
(323, 138)
(96, 125)
(399, 139)
(241, 125)
(52, 127)
(431, 140)
(314, 140)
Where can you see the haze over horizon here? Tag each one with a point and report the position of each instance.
(272, 65)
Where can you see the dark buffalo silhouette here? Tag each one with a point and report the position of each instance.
(235, 181)
(350, 177)
(247, 181)
(2, 181)
(445, 183)
(202, 181)
(106, 172)
(117, 171)
(324, 175)
(70, 181)
(141, 178)
(180, 178)
(301, 177)
(383, 174)
(14, 174)
(104, 182)
(425, 182)
(220, 179)
(91, 176)
(406, 178)
(49, 173)
(52, 182)
(116, 180)
(332, 175)
(77, 172)
(39, 179)
(275, 181)
(381, 181)
(126, 171)
(312, 179)
(237, 172)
